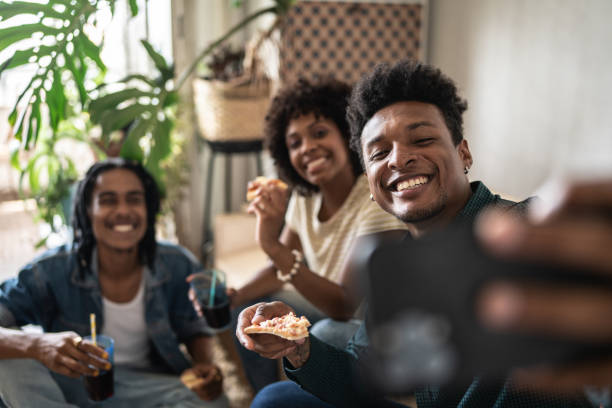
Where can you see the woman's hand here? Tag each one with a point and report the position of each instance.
(68, 354)
(234, 297)
(269, 206)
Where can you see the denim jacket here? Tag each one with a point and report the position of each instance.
(53, 293)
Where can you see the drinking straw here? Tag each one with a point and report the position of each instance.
(211, 297)
(92, 324)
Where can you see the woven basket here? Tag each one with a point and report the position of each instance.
(228, 112)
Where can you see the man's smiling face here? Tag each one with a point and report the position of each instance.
(118, 210)
(414, 170)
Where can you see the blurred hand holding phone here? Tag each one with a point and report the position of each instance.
(572, 227)
(424, 321)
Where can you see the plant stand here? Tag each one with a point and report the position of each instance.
(227, 148)
(230, 120)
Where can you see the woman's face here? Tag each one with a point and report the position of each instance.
(317, 150)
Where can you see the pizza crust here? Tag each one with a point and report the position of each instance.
(288, 327)
(261, 180)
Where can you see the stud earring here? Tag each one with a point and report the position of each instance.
(371, 197)
(466, 170)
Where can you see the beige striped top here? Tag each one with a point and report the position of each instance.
(327, 244)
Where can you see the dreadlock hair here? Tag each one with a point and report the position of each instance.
(326, 98)
(84, 239)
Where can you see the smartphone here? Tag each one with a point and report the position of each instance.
(421, 318)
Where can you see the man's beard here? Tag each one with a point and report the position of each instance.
(423, 214)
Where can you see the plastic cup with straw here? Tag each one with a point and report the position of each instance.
(100, 386)
(209, 289)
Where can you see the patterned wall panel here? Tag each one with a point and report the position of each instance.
(345, 39)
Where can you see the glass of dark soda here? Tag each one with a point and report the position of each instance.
(210, 290)
(101, 386)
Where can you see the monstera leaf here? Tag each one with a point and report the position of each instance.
(56, 43)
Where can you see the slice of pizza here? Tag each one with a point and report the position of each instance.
(261, 180)
(190, 379)
(288, 327)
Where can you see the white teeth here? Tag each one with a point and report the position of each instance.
(413, 182)
(317, 161)
(123, 228)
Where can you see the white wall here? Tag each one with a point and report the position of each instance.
(538, 79)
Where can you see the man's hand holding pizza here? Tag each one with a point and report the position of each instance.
(268, 345)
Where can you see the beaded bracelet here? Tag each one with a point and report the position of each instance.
(297, 260)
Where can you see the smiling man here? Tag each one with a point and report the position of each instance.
(406, 123)
(136, 288)
(417, 169)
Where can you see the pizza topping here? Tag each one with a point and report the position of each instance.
(288, 327)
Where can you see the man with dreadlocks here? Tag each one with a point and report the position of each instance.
(136, 288)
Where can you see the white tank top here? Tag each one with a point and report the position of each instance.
(125, 322)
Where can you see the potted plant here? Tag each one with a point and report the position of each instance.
(236, 85)
(66, 58)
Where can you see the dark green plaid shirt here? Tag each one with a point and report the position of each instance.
(328, 373)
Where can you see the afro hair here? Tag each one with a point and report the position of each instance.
(406, 80)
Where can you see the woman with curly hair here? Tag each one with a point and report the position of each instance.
(309, 237)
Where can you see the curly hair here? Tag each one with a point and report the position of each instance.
(327, 98)
(406, 80)
(84, 239)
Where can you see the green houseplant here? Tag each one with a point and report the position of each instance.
(66, 59)
(51, 175)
